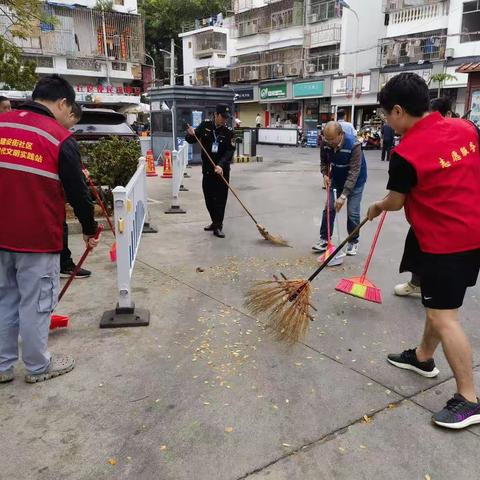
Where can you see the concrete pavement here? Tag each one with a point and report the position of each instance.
(204, 392)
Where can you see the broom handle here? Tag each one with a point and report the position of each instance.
(79, 264)
(332, 255)
(328, 207)
(99, 200)
(225, 181)
(372, 248)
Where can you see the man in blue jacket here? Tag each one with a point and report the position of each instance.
(344, 168)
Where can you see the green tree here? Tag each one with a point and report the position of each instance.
(441, 78)
(15, 73)
(164, 20)
(22, 16)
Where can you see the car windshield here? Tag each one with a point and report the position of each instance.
(101, 122)
(118, 129)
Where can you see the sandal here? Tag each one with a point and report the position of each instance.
(59, 365)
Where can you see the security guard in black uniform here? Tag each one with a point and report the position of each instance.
(218, 140)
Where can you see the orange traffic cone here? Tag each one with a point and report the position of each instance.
(167, 165)
(151, 172)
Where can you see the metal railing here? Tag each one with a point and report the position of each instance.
(207, 43)
(320, 11)
(390, 6)
(421, 48)
(130, 212)
(79, 32)
(419, 13)
(324, 35)
(323, 63)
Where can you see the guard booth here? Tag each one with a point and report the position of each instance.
(175, 107)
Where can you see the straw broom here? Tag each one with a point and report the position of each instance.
(287, 303)
(275, 239)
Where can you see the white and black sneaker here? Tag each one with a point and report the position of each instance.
(408, 361)
(458, 413)
(320, 246)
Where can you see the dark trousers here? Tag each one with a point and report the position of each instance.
(386, 149)
(66, 255)
(215, 192)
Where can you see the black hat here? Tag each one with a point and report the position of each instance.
(224, 110)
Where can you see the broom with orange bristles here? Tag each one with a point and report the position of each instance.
(275, 239)
(287, 303)
(361, 287)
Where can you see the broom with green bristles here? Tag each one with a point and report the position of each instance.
(361, 287)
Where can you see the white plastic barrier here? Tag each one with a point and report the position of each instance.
(179, 166)
(130, 212)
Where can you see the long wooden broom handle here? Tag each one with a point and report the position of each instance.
(332, 255)
(224, 180)
(372, 248)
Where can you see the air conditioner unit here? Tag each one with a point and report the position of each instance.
(293, 71)
(312, 18)
(253, 75)
(310, 68)
(449, 52)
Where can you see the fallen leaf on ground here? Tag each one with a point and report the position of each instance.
(366, 419)
(229, 429)
(112, 461)
(163, 447)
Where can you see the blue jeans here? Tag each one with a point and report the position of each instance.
(353, 214)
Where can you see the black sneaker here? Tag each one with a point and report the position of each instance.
(82, 273)
(408, 361)
(458, 413)
(209, 228)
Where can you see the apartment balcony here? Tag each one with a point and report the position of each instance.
(323, 10)
(393, 6)
(274, 16)
(322, 62)
(242, 5)
(267, 65)
(205, 44)
(422, 48)
(79, 33)
(324, 34)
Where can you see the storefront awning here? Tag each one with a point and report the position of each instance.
(468, 68)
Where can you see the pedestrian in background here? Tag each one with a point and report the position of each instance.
(344, 169)
(5, 105)
(347, 127)
(39, 164)
(217, 139)
(435, 176)
(388, 138)
(258, 121)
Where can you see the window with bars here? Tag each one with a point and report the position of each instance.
(471, 22)
(42, 62)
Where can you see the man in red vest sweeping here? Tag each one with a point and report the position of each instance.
(39, 164)
(435, 176)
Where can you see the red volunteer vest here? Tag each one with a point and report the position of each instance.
(444, 207)
(32, 203)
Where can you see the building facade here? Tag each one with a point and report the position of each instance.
(296, 62)
(101, 53)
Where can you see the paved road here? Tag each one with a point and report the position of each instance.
(204, 393)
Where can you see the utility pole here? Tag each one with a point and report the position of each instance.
(172, 62)
(105, 46)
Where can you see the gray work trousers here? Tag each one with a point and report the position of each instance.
(28, 295)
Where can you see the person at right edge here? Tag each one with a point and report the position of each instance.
(39, 162)
(443, 105)
(435, 176)
(217, 139)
